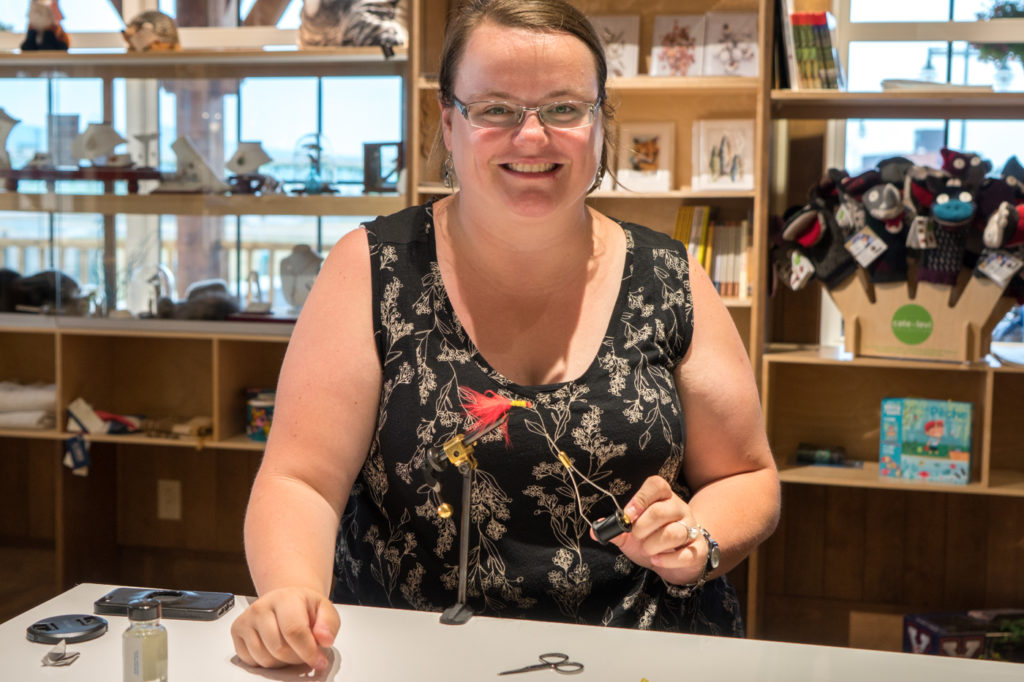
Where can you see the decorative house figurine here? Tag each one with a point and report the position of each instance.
(97, 142)
(7, 123)
(44, 30)
(194, 173)
(151, 31)
(245, 164)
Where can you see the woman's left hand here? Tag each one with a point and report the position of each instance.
(661, 538)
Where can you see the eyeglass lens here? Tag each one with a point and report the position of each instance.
(569, 114)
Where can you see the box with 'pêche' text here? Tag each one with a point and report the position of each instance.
(926, 440)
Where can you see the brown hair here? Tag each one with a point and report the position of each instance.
(541, 16)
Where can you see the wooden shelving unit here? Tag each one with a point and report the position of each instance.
(850, 543)
(825, 104)
(200, 204)
(202, 64)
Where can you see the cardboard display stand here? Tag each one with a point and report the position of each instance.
(920, 320)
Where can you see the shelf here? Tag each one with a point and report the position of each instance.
(658, 85)
(240, 442)
(1005, 483)
(930, 104)
(138, 439)
(40, 434)
(832, 355)
(226, 63)
(201, 204)
(681, 193)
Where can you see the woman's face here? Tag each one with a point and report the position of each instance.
(531, 169)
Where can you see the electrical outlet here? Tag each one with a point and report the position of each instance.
(168, 499)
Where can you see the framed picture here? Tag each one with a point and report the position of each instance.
(723, 154)
(677, 47)
(646, 156)
(620, 35)
(730, 46)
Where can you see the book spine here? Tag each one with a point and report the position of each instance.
(789, 43)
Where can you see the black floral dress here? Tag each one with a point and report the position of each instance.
(531, 554)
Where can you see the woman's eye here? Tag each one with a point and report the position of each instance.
(497, 110)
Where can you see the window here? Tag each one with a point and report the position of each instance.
(874, 36)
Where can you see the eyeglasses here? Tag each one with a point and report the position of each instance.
(495, 114)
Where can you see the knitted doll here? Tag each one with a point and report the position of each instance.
(887, 218)
(970, 169)
(815, 230)
(953, 211)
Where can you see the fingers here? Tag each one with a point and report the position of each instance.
(295, 621)
(285, 627)
(327, 623)
(661, 516)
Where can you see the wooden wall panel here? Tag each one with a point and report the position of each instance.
(883, 563)
(886, 552)
(27, 489)
(844, 543)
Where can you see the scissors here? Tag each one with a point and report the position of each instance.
(560, 663)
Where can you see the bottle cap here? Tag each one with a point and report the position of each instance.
(144, 609)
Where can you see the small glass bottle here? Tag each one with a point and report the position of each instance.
(145, 643)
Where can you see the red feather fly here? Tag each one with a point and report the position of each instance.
(487, 408)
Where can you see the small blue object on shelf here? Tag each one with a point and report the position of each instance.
(925, 440)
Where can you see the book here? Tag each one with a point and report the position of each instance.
(784, 10)
(823, 26)
(930, 86)
(684, 223)
(806, 47)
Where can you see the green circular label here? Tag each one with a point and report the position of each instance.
(912, 324)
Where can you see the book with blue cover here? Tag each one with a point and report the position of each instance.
(926, 440)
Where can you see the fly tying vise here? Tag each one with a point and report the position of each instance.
(489, 411)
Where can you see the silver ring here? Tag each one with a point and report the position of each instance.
(692, 532)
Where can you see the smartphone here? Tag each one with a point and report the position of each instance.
(178, 604)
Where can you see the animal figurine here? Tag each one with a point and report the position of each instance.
(334, 23)
(152, 31)
(44, 29)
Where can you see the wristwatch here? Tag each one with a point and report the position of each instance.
(714, 558)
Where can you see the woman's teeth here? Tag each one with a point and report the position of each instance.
(531, 167)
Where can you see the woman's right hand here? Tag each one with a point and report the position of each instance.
(286, 626)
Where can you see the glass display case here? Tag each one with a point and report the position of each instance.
(120, 166)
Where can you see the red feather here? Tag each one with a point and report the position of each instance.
(487, 408)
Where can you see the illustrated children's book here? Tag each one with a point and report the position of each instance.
(925, 440)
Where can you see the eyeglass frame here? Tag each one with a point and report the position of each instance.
(463, 108)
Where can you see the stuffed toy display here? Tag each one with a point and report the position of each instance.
(44, 30)
(945, 220)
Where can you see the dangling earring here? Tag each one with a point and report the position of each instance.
(598, 177)
(448, 171)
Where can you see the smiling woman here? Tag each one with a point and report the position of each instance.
(618, 352)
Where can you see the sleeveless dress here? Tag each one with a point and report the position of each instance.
(531, 554)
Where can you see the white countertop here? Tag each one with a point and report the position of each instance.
(390, 644)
